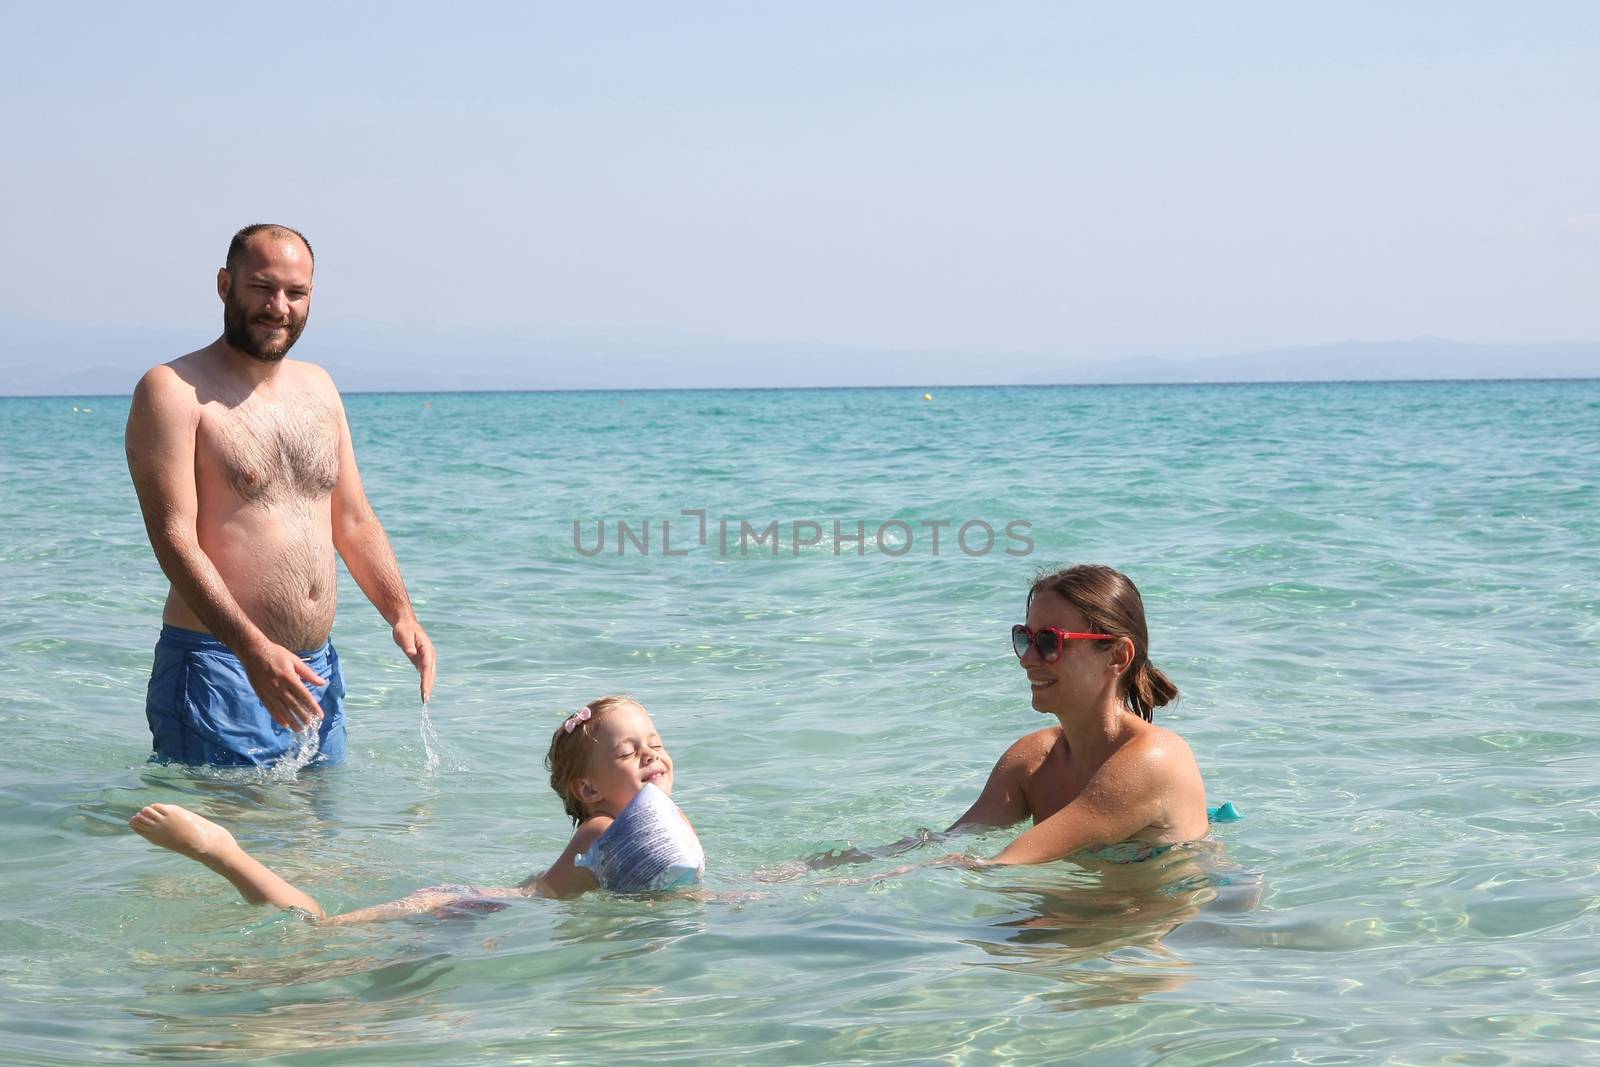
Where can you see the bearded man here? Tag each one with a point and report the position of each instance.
(247, 479)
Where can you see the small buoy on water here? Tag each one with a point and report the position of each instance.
(927, 396)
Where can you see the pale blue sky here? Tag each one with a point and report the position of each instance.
(1053, 176)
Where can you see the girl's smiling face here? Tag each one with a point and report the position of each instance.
(627, 754)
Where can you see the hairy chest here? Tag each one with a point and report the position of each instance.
(272, 450)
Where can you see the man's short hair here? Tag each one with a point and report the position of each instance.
(273, 229)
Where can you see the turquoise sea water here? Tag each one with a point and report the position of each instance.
(1380, 601)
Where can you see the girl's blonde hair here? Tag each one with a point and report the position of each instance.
(572, 750)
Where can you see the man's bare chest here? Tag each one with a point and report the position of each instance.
(270, 451)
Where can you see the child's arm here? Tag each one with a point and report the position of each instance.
(565, 878)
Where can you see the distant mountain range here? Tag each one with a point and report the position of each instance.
(1419, 359)
(40, 358)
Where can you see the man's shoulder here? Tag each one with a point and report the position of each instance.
(190, 371)
(311, 376)
(174, 382)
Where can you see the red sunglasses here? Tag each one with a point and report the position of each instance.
(1049, 640)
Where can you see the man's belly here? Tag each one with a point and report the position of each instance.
(281, 573)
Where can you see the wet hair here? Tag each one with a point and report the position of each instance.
(271, 229)
(571, 754)
(1111, 604)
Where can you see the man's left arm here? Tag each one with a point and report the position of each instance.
(362, 542)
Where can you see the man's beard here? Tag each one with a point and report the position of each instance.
(236, 330)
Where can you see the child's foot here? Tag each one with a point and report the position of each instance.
(181, 830)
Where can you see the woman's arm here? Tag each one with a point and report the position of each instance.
(1003, 801)
(1125, 796)
(1081, 824)
(838, 857)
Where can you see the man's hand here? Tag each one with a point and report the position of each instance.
(413, 641)
(279, 678)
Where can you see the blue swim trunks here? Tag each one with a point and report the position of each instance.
(202, 710)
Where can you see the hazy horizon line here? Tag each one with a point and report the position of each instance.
(882, 388)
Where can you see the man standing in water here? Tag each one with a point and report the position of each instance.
(247, 479)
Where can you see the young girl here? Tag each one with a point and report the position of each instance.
(612, 772)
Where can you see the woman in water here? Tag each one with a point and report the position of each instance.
(612, 772)
(1105, 774)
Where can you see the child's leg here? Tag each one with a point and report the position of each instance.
(421, 902)
(186, 833)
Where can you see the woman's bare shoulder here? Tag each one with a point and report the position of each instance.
(1159, 744)
(1032, 749)
(1157, 768)
(1152, 753)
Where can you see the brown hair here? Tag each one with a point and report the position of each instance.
(571, 752)
(1111, 604)
(271, 229)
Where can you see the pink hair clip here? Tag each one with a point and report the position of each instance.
(579, 716)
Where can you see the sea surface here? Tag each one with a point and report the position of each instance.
(1381, 603)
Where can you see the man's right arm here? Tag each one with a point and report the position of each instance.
(160, 444)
